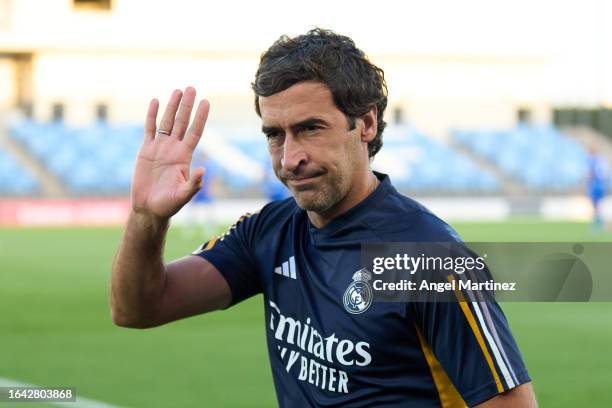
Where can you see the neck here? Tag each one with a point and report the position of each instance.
(356, 194)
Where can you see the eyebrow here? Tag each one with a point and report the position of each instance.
(296, 126)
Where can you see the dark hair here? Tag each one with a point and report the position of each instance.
(332, 59)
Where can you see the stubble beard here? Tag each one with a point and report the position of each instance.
(321, 199)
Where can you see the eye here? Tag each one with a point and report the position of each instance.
(275, 138)
(312, 128)
(273, 135)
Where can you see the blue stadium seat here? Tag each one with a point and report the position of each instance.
(418, 163)
(540, 157)
(15, 180)
(88, 160)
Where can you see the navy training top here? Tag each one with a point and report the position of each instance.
(329, 348)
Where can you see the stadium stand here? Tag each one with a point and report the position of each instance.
(99, 159)
(542, 158)
(417, 163)
(94, 160)
(15, 180)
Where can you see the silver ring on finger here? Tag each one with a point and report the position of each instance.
(164, 132)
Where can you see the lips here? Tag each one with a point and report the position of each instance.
(303, 180)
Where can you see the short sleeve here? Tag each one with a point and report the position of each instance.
(472, 343)
(231, 254)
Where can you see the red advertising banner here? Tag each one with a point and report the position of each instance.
(75, 212)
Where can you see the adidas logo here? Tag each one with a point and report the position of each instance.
(287, 269)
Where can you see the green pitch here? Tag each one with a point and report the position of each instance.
(55, 328)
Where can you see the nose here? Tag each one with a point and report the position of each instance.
(293, 154)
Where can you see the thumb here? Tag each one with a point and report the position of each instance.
(194, 184)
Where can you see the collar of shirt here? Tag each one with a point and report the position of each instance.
(351, 220)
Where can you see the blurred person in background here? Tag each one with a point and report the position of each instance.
(597, 185)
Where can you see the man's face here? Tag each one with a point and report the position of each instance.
(312, 149)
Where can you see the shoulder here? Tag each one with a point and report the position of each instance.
(268, 219)
(254, 228)
(276, 212)
(400, 218)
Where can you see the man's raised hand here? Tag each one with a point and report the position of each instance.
(162, 182)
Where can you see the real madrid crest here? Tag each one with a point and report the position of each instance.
(358, 296)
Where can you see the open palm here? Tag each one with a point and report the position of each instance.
(162, 182)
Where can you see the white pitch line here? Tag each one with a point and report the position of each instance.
(79, 403)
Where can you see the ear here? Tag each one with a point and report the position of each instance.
(370, 125)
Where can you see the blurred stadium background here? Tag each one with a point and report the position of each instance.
(493, 109)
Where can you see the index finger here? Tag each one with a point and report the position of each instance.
(197, 126)
(149, 126)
